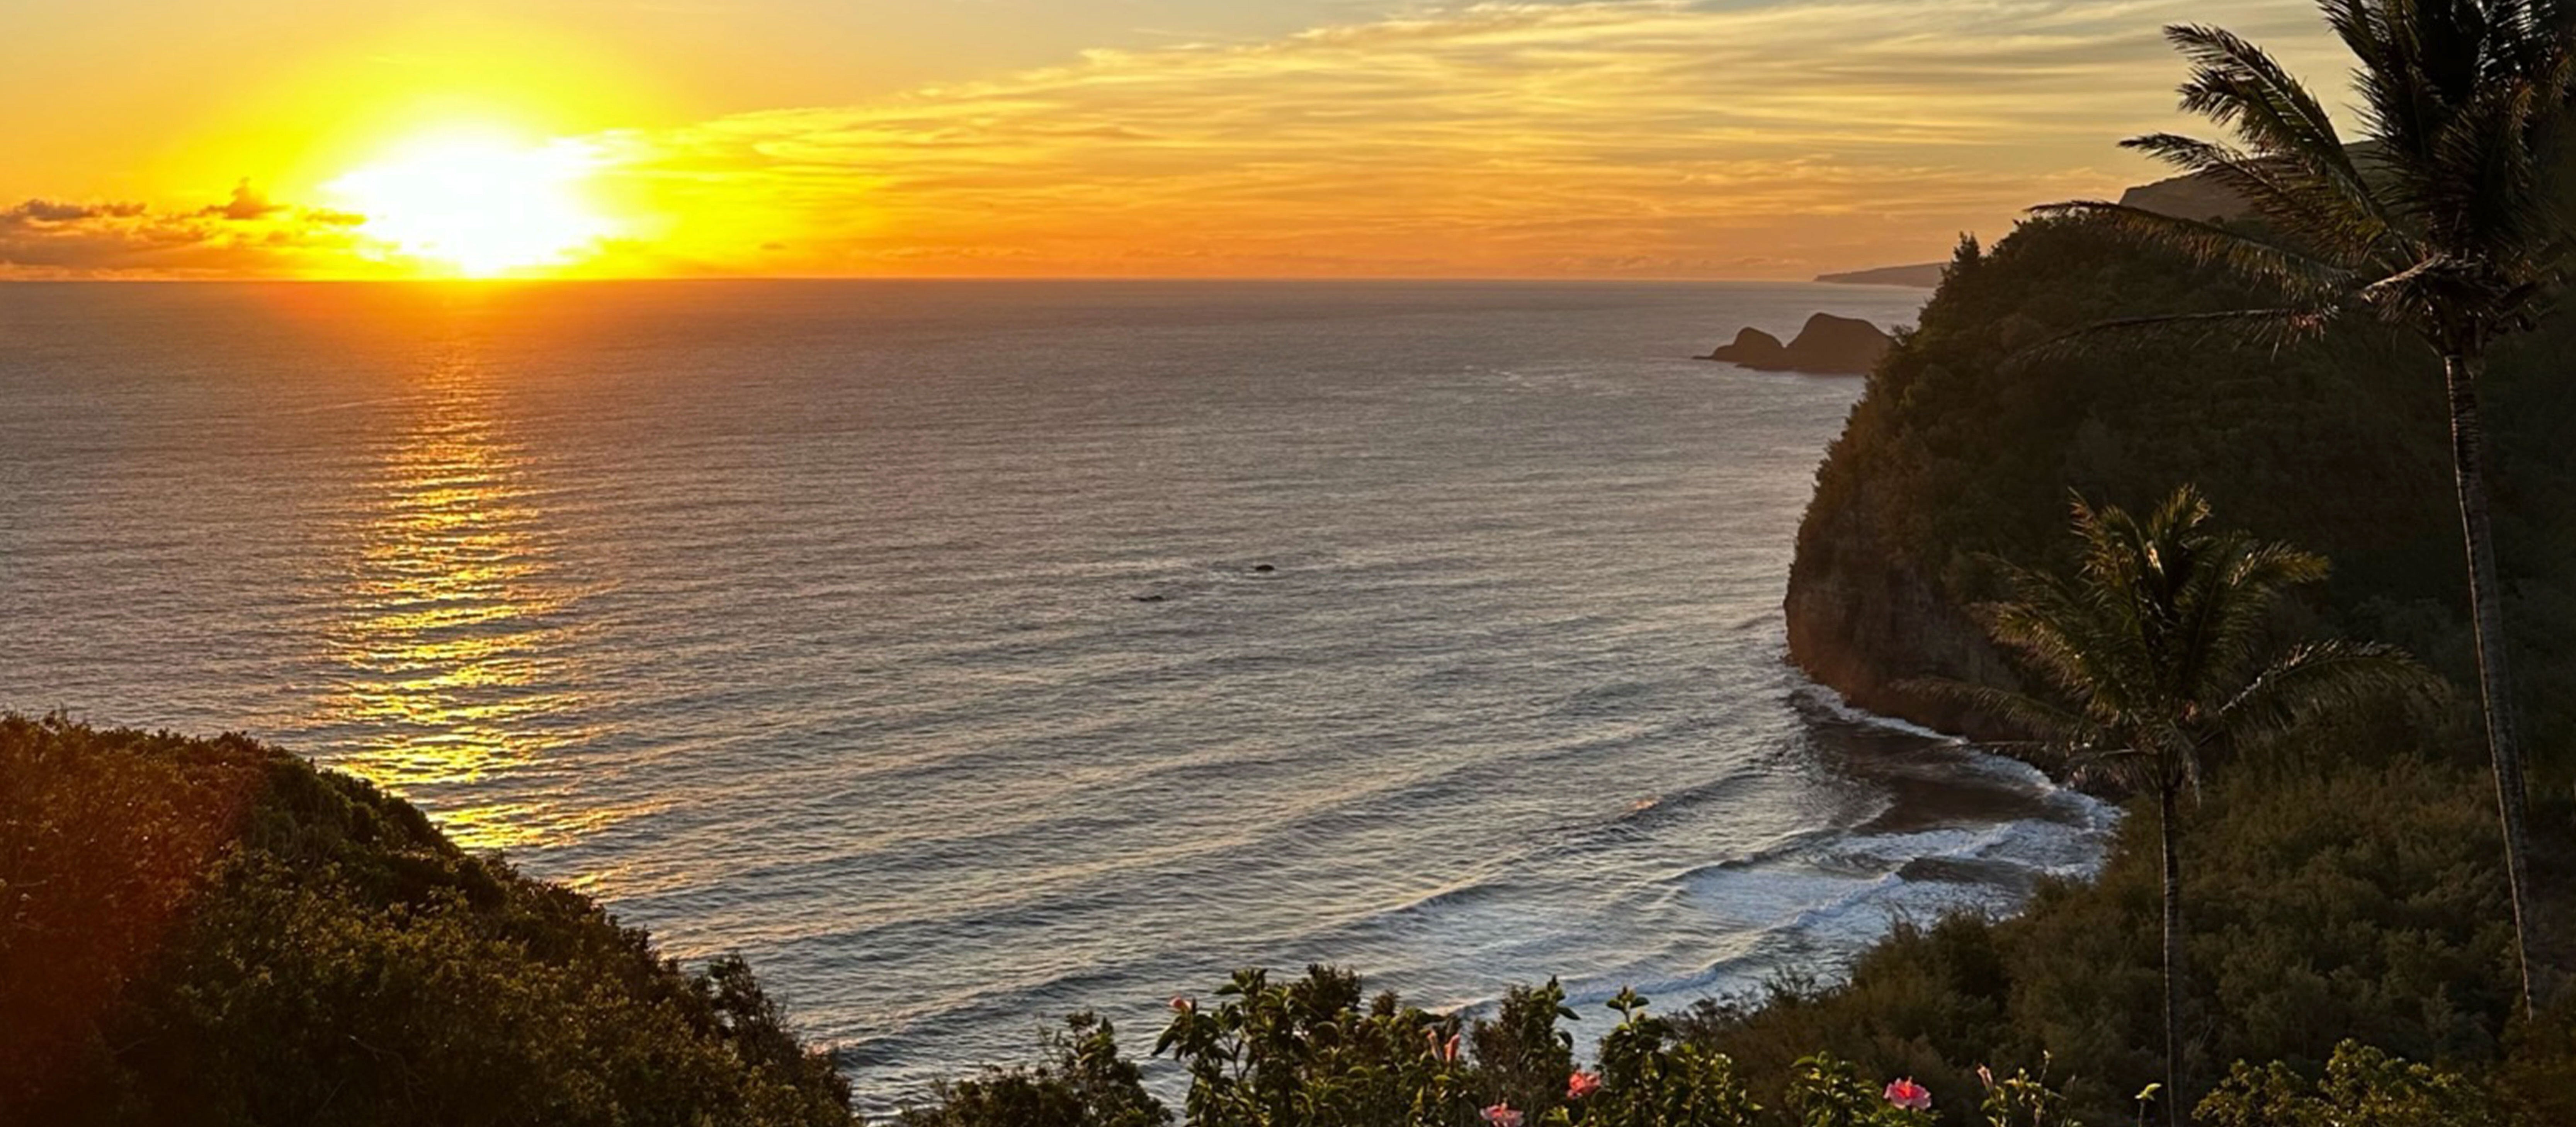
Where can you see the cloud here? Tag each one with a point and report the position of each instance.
(246, 203)
(1610, 136)
(248, 235)
(51, 211)
(1725, 138)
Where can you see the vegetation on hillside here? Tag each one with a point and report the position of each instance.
(214, 932)
(1966, 441)
(2451, 223)
(2343, 887)
(2157, 660)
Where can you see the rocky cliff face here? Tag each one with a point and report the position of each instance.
(1863, 620)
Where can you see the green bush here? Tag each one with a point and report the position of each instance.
(1084, 1083)
(2362, 1087)
(211, 931)
(2333, 900)
(1313, 1052)
(1308, 1052)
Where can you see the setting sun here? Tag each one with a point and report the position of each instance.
(476, 204)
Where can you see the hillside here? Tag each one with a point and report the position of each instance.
(214, 932)
(1965, 444)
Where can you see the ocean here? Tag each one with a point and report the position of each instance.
(968, 653)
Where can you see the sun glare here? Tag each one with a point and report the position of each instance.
(480, 205)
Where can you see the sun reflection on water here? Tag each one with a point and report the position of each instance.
(453, 650)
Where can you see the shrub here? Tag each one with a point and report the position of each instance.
(211, 931)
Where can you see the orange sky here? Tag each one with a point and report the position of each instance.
(1609, 138)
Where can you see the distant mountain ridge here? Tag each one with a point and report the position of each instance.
(2194, 196)
(1923, 275)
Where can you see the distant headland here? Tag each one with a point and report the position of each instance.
(2195, 196)
(1922, 275)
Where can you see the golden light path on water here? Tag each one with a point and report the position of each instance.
(454, 649)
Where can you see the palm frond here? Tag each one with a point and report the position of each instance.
(2059, 640)
(2126, 767)
(2270, 329)
(2246, 584)
(2322, 678)
(2237, 84)
(2297, 272)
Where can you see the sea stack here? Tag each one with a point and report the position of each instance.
(1826, 345)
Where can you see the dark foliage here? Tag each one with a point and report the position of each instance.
(1969, 436)
(1083, 1083)
(212, 931)
(2336, 898)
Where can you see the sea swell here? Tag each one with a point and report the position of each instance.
(928, 661)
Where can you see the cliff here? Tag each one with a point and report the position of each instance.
(1862, 618)
(1953, 456)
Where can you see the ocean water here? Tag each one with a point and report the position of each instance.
(969, 653)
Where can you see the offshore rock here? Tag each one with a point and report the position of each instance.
(1826, 345)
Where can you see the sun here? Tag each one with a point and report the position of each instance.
(478, 204)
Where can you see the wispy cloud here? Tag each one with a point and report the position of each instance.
(1616, 137)
(1592, 137)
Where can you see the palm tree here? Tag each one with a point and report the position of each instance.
(2156, 658)
(2450, 220)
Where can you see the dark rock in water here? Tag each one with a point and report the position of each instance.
(1827, 345)
(1147, 598)
(1754, 349)
(1838, 344)
(1264, 569)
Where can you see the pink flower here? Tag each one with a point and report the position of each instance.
(1502, 1115)
(1181, 1005)
(1985, 1076)
(1582, 1084)
(1909, 1095)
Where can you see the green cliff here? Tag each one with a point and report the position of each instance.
(1974, 428)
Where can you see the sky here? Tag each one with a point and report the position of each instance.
(1149, 138)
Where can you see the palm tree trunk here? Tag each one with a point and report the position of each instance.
(2176, 1110)
(2486, 610)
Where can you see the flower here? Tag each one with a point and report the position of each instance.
(1502, 1115)
(1582, 1084)
(1909, 1095)
(1449, 1052)
(1181, 1005)
(1986, 1076)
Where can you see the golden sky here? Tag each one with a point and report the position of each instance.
(1585, 138)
